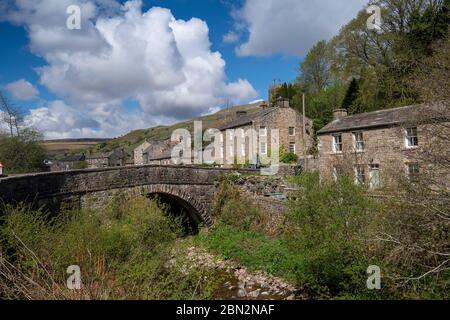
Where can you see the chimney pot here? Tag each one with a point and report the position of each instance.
(339, 113)
(240, 113)
(283, 102)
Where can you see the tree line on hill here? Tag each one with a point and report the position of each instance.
(405, 62)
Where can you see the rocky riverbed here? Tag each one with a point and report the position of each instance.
(240, 283)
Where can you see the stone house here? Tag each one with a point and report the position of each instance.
(69, 162)
(238, 144)
(156, 152)
(116, 158)
(380, 148)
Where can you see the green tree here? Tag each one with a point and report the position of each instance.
(316, 69)
(351, 96)
(22, 154)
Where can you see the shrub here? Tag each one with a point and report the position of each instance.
(122, 252)
(232, 209)
(327, 223)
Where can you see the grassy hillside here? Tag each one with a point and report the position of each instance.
(131, 140)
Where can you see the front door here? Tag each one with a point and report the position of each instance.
(374, 173)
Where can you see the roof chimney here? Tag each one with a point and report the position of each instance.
(282, 102)
(263, 105)
(241, 113)
(339, 113)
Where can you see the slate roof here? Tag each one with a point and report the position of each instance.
(389, 117)
(159, 150)
(74, 158)
(248, 119)
(103, 155)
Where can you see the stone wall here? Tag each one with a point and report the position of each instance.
(280, 119)
(191, 184)
(138, 153)
(384, 146)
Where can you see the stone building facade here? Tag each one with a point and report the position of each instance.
(380, 148)
(251, 138)
(116, 158)
(69, 162)
(155, 152)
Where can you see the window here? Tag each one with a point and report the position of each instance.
(263, 148)
(231, 150)
(337, 143)
(358, 141)
(412, 171)
(360, 175)
(243, 149)
(263, 131)
(337, 173)
(291, 131)
(374, 174)
(412, 140)
(145, 158)
(292, 147)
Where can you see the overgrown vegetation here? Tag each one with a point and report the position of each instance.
(122, 251)
(333, 232)
(21, 150)
(363, 70)
(23, 153)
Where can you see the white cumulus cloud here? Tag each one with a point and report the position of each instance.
(121, 54)
(22, 90)
(291, 27)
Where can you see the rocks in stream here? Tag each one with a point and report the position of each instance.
(242, 283)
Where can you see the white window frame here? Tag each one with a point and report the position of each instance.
(263, 131)
(358, 145)
(295, 147)
(359, 175)
(293, 131)
(409, 173)
(261, 149)
(335, 144)
(409, 138)
(336, 174)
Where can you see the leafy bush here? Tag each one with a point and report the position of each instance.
(231, 209)
(327, 223)
(287, 156)
(122, 252)
(22, 154)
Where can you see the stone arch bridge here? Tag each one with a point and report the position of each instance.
(191, 188)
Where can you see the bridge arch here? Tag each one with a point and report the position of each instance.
(181, 198)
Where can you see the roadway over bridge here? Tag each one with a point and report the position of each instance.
(190, 188)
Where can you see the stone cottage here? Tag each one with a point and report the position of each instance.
(155, 152)
(238, 144)
(69, 162)
(379, 148)
(116, 158)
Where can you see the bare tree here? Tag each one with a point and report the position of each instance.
(12, 115)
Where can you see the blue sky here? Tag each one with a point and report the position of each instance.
(102, 81)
